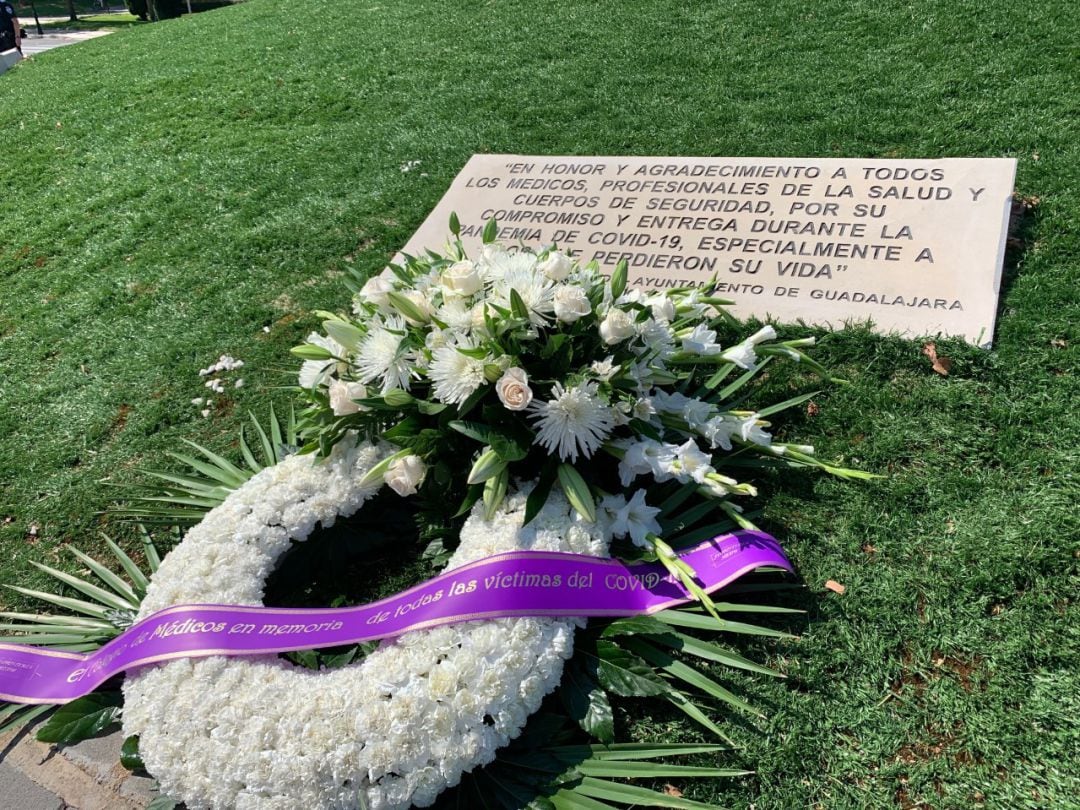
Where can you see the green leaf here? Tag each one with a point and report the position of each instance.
(787, 403)
(653, 770)
(623, 673)
(632, 794)
(633, 751)
(567, 799)
(131, 568)
(577, 492)
(101, 595)
(430, 408)
(472, 495)
(710, 652)
(66, 602)
(82, 719)
(586, 701)
(162, 802)
(129, 754)
(17, 715)
(634, 625)
(618, 279)
(517, 306)
(539, 495)
(731, 389)
(687, 674)
(455, 224)
(123, 590)
(491, 231)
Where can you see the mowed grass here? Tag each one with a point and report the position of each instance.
(185, 189)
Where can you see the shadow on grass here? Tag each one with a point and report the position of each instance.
(103, 22)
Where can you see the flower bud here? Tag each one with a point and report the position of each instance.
(487, 466)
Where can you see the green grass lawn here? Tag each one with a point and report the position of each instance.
(196, 187)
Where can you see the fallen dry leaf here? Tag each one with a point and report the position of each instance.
(671, 790)
(941, 365)
(1059, 343)
(869, 548)
(835, 586)
(812, 408)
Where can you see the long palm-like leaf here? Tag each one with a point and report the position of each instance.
(182, 499)
(107, 609)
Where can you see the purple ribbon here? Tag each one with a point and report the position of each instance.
(517, 583)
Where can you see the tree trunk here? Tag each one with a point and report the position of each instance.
(72, 17)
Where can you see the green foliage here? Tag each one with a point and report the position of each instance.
(183, 499)
(82, 718)
(103, 616)
(545, 768)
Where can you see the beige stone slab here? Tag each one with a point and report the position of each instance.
(915, 246)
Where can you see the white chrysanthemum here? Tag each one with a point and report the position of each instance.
(384, 356)
(387, 733)
(537, 292)
(496, 262)
(574, 421)
(317, 372)
(456, 314)
(455, 375)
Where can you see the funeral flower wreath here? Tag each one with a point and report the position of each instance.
(389, 732)
(594, 418)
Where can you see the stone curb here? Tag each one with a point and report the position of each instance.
(85, 776)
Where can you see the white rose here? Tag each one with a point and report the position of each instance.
(571, 303)
(617, 327)
(375, 289)
(556, 265)
(342, 395)
(462, 278)
(513, 389)
(405, 475)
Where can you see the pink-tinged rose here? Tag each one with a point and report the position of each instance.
(405, 475)
(513, 389)
(342, 395)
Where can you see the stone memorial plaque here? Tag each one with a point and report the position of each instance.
(915, 246)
